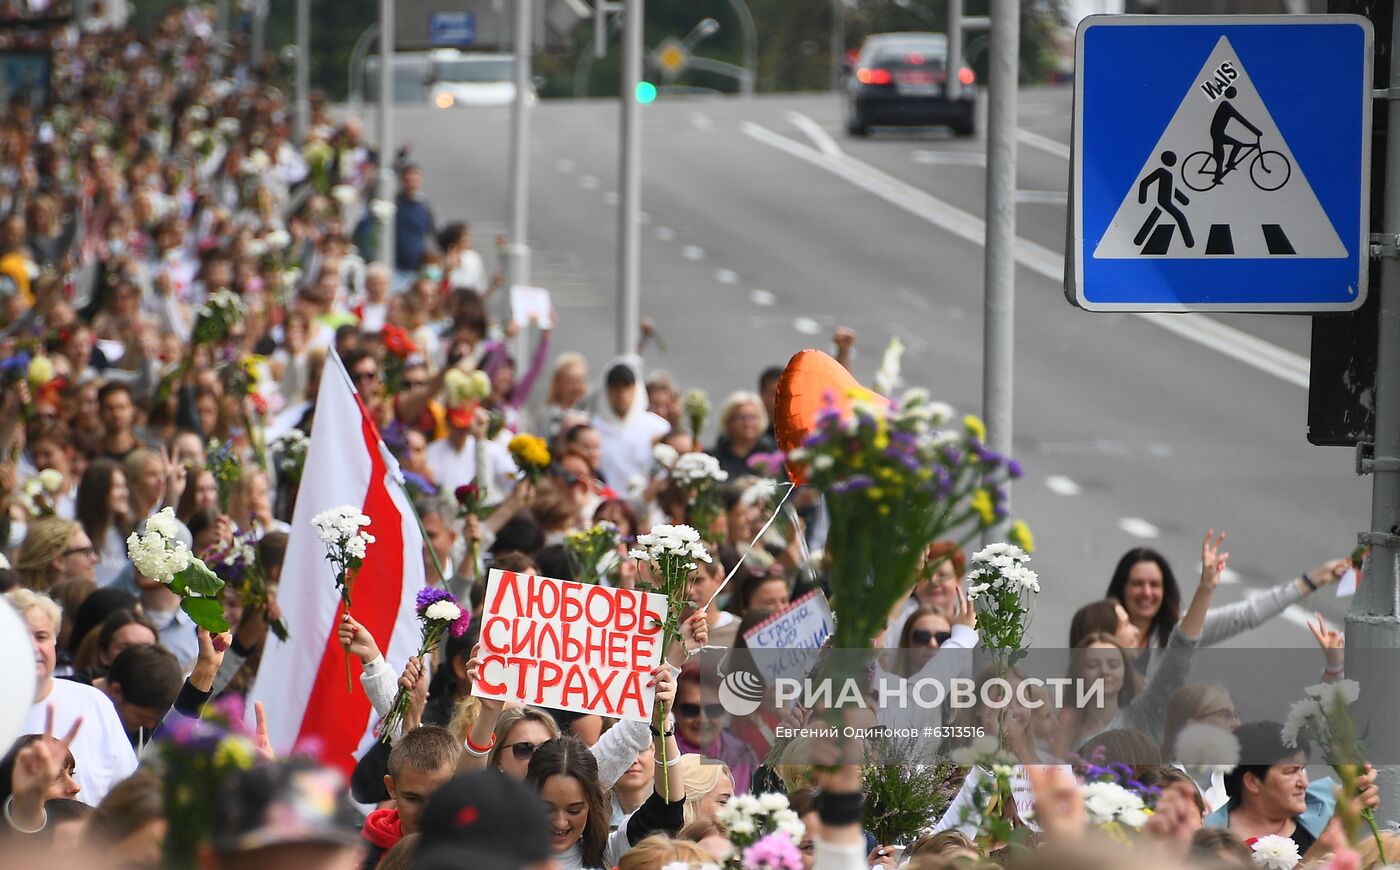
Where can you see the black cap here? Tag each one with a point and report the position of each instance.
(484, 820)
(287, 803)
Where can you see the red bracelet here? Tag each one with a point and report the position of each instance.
(481, 750)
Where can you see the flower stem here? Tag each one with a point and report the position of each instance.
(1370, 816)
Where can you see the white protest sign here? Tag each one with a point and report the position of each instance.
(797, 634)
(569, 646)
(531, 305)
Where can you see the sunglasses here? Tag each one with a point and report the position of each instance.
(690, 711)
(364, 376)
(523, 750)
(922, 637)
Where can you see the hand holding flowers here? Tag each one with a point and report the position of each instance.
(439, 614)
(342, 530)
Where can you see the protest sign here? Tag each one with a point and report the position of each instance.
(569, 646)
(795, 635)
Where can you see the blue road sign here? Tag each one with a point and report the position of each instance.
(455, 29)
(1221, 163)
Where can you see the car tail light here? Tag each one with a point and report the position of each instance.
(873, 76)
(966, 76)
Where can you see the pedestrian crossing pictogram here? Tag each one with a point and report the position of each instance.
(1221, 182)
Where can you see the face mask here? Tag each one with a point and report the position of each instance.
(433, 273)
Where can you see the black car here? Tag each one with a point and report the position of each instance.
(900, 79)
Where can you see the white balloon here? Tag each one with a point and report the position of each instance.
(16, 675)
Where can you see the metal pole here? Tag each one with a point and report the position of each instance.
(259, 30)
(955, 49)
(518, 249)
(1373, 625)
(750, 31)
(838, 42)
(998, 343)
(303, 114)
(600, 29)
(629, 251)
(385, 176)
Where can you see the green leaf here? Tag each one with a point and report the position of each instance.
(199, 579)
(207, 613)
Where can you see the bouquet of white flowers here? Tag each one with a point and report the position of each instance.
(289, 454)
(750, 818)
(158, 554)
(1001, 587)
(342, 530)
(699, 476)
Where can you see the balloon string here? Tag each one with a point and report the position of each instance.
(745, 555)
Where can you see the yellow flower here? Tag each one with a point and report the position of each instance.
(882, 432)
(252, 366)
(1021, 536)
(982, 503)
(41, 371)
(876, 493)
(529, 450)
(975, 427)
(234, 752)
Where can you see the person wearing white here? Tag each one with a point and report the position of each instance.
(453, 460)
(103, 754)
(628, 429)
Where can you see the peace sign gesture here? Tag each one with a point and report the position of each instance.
(1333, 643)
(1212, 560)
(37, 767)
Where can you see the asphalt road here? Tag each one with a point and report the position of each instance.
(766, 228)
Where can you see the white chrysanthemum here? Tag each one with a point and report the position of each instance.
(1303, 715)
(1208, 748)
(278, 240)
(1108, 802)
(887, 378)
(1276, 853)
(1329, 695)
(744, 804)
(164, 523)
(823, 462)
(772, 802)
(665, 455)
(760, 491)
(964, 756)
(344, 194)
(383, 210)
(443, 611)
(51, 479)
(693, 468)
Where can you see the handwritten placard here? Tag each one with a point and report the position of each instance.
(797, 633)
(569, 646)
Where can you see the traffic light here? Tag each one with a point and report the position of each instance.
(646, 92)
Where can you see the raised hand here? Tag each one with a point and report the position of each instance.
(1058, 800)
(473, 674)
(357, 639)
(36, 767)
(1212, 560)
(1329, 572)
(963, 611)
(1332, 642)
(664, 678)
(695, 632)
(260, 737)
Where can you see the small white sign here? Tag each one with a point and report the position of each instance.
(798, 632)
(531, 305)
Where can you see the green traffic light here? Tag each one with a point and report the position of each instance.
(646, 92)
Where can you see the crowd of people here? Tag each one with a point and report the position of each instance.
(154, 176)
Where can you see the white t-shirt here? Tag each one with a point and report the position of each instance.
(103, 754)
(627, 448)
(470, 273)
(456, 468)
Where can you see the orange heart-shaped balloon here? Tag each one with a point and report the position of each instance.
(811, 382)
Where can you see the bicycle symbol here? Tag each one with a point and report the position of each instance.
(1268, 170)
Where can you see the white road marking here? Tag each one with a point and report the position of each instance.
(948, 158)
(1239, 345)
(806, 326)
(726, 276)
(1042, 197)
(701, 122)
(1043, 143)
(665, 234)
(822, 139)
(1061, 485)
(693, 252)
(611, 198)
(1139, 528)
(565, 165)
(588, 182)
(762, 297)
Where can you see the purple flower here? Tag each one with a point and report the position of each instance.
(952, 455)
(15, 367)
(770, 464)
(852, 484)
(1014, 470)
(429, 596)
(419, 482)
(462, 623)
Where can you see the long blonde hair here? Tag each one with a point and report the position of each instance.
(700, 776)
(45, 540)
(659, 850)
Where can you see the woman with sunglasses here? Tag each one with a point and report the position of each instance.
(924, 632)
(566, 774)
(506, 739)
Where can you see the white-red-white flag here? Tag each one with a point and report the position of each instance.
(302, 682)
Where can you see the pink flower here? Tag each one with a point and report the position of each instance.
(774, 852)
